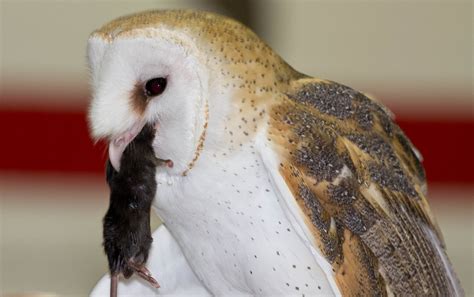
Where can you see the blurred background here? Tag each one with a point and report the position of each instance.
(414, 56)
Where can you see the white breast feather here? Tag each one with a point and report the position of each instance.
(291, 209)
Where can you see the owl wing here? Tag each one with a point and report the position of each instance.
(355, 185)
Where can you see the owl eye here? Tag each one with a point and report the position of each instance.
(155, 86)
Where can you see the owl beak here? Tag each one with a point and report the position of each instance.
(118, 144)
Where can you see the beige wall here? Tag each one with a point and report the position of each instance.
(382, 47)
(406, 46)
(45, 41)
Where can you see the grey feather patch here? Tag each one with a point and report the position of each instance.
(330, 98)
(322, 161)
(392, 178)
(343, 193)
(375, 145)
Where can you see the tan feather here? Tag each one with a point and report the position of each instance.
(345, 160)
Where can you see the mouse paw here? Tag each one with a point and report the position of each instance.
(144, 273)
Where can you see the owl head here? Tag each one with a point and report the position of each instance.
(186, 72)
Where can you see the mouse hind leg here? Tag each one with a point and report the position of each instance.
(168, 264)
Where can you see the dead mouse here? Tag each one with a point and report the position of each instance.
(126, 225)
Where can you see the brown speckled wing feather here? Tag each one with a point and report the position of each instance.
(360, 185)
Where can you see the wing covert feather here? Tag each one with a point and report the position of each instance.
(358, 181)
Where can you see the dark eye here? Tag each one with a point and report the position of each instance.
(155, 86)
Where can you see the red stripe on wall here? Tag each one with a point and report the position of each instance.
(48, 141)
(58, 141)
(447, 147)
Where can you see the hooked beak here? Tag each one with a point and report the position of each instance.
(118, 144)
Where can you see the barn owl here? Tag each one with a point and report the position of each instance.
(282, 184)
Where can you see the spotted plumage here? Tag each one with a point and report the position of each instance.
(282, 184)
(369, 181)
